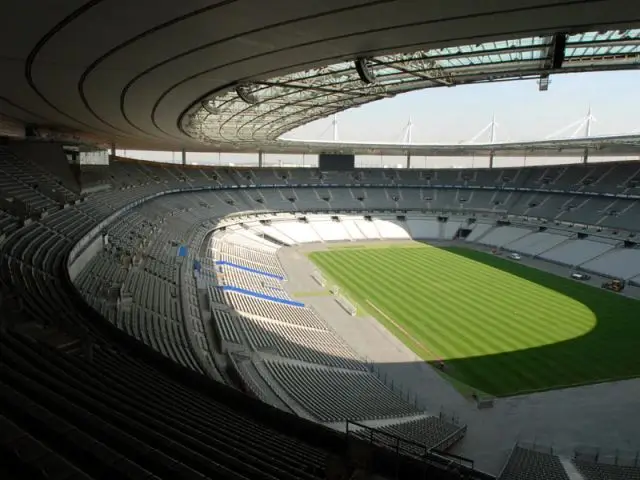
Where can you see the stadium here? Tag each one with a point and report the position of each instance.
(325, 319)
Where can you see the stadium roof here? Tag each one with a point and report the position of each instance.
(236, 74)
(609, 146)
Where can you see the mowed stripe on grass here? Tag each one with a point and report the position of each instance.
(501, 327)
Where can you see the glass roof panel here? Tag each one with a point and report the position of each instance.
(297, 98)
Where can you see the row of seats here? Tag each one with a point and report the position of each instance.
(529, 464)
(228, 326)
(309, 345)
(604, 178)
(599, 255)
(252, 255)
(334, 395)
(216, 295)
(428, 431)
(142, 255)
(595, 177)
(21, 181)
(538, 242)
(603, 211)
(34, 260)
(243, 261)
(276, 311)
(99, 415)
(601, 471)
(231, 275)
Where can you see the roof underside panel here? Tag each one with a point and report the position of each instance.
(234, 75)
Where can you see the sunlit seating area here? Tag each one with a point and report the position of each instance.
(333, 395)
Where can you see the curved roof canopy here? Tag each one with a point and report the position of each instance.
(229, 74)
(260, 111)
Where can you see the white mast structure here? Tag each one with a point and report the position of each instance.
(491, 128)
(334, 126)
(407, 133)
(580, 126)
(407, 139)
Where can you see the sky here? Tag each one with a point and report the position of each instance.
(460, 114)
(451, 115)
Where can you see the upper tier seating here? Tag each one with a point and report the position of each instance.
(620, 213)
(21, 184)
(625, 216)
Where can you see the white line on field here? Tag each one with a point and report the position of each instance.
(411, 337)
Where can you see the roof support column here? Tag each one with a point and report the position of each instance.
(585, 157)
(259, 159)
(408, 159)
(113, 149)
(184, 156)
(491, 159)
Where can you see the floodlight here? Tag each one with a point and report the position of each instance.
(246, 92)
(365, 72)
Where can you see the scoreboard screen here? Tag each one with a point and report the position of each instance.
(328, 162)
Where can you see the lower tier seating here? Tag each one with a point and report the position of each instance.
(429, 431)
(276, 311)
(601, 471)
(114, 418)
(333, 395)
(525, 464)
(305, 344)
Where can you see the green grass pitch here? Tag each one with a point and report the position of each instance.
(501, 327)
